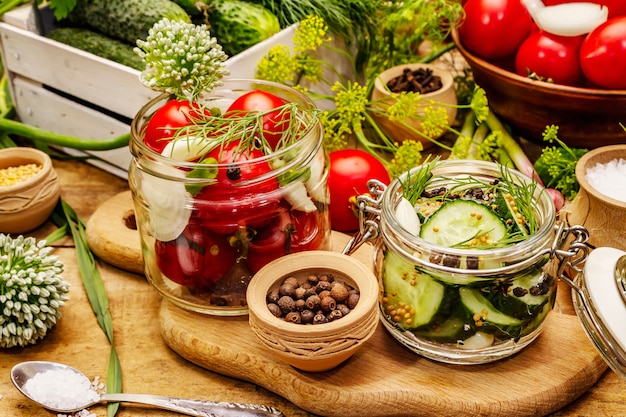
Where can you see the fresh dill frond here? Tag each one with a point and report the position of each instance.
(417, 180)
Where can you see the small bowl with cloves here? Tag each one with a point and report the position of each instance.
(314, 309)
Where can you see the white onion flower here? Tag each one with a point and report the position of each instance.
(32, 290)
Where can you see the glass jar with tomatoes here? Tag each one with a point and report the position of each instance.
(223, 186)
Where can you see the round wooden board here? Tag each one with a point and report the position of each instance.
(384, 378)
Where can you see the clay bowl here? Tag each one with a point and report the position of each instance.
(587, 117)
(314, 347)
(603, 217)
(407, 129)
(27, 204)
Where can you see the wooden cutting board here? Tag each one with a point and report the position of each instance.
(384, 378)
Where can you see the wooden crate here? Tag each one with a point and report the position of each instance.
(66, 90)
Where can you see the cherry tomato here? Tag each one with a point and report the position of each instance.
(289, 231)
(551, 57)
(350, 169)
(616, 7)
(494, 29)
(165, 121)
(197, 258)
(603, 54)
(274, 123)
(234, 201)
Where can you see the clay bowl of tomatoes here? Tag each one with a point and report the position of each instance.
(313, 310)
(588, 114)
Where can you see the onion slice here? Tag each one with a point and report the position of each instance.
(567, 19)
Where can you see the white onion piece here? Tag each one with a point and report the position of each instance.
(571, 19)
(167, 199)
(479, 340)
(407, 217)
(186, 149)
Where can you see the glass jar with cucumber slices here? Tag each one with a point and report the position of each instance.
(463, 256)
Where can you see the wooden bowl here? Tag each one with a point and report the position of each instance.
(603, 217)
(587, 117)
(27, 204)
(314, 347)
(408, 130)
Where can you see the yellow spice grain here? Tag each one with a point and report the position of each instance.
(12, 175)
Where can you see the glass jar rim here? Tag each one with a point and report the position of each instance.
(138, 147)
(528, 247)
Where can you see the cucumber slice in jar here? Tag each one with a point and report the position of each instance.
(410, 298)
(485, 317)
(525, 295)
(464, 223)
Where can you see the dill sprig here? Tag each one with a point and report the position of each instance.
(246, 129)
(417, 180)
(354, 115)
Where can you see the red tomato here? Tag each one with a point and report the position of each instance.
(289, 231)
(551, 57)
(197, 258)
(274, 123)
(494, 29)
(616, 7)
(232, 202)
(603, 54)
(165, 121)
(350, 169)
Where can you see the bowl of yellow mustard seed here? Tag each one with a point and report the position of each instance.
(29, 189)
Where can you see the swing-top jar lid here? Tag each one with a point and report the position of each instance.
(599, 298)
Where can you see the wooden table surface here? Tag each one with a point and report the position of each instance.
(148, 365)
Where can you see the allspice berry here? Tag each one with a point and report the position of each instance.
(314, 299)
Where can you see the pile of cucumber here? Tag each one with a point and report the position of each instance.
(111, 28)
(452, 304)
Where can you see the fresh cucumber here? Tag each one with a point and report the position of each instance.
(98, 44)
(411, 299)
(464, 223)
(127, 20)
(239, 25)
(483, 316)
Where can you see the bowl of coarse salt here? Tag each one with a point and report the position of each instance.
(600, 205)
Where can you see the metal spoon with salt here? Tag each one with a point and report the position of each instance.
(23, 372)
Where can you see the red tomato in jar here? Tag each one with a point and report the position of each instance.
(603, 54)
(289, 231)
(616, 7)
(238, 198)
(274, 122)
(494, 29)
(551, 57)
(164, 123)
(350, 169)
(197, 258)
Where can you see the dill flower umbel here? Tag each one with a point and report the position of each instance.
(181, 59)
(31, 290)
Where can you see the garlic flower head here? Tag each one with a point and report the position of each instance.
(32, 290)
(181, 59)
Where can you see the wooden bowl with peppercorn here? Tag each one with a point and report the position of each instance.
(29, 189)
(314, 309)
(436, 89)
